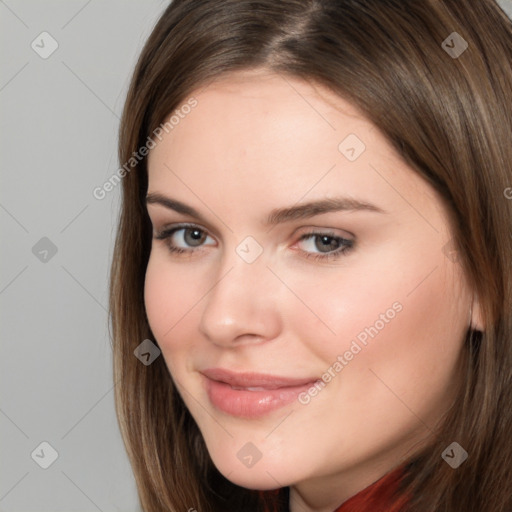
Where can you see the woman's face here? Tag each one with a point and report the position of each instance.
(306, 304)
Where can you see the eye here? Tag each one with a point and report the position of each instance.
(324, 245)
(320, 246)
(182, 239)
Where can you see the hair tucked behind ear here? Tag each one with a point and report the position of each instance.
(449, 118)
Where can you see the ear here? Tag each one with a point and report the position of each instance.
(476, 321)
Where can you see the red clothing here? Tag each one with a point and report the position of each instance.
(377, 497)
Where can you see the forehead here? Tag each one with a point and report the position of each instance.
(261, 109)
(256, 133)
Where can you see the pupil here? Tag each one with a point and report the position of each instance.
(328, 243)
(193, 236)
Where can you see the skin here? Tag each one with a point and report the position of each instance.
(257, 142)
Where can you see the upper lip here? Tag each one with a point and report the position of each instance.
(251, 379)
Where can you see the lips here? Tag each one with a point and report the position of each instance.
(250, 395)
(255, 381)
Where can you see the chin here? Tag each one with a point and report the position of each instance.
(259, 482)
(259, 477)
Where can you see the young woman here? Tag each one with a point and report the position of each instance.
(313, 259)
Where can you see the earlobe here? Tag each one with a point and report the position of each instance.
(476, 321)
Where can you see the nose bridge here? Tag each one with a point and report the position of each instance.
(241, 302)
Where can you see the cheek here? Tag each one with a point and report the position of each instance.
(401, 377)
(168, 300)
(405, 325)
(340, 306)
(156, 299)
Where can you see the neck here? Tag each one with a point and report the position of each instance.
(318, 496)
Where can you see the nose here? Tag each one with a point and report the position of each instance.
(241, 307)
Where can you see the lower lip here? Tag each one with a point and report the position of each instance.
(250, 404)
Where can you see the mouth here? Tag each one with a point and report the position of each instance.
(251, 395)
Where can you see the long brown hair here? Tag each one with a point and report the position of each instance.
(449, 116)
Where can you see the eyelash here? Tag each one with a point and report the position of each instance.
(345, 244)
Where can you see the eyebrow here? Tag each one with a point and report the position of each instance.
(280, 215)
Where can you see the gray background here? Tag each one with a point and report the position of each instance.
(59, 121)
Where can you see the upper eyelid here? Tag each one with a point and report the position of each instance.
(335, 232)
(307, 229)
(165, 225)
(347, 205)
(172, 229)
